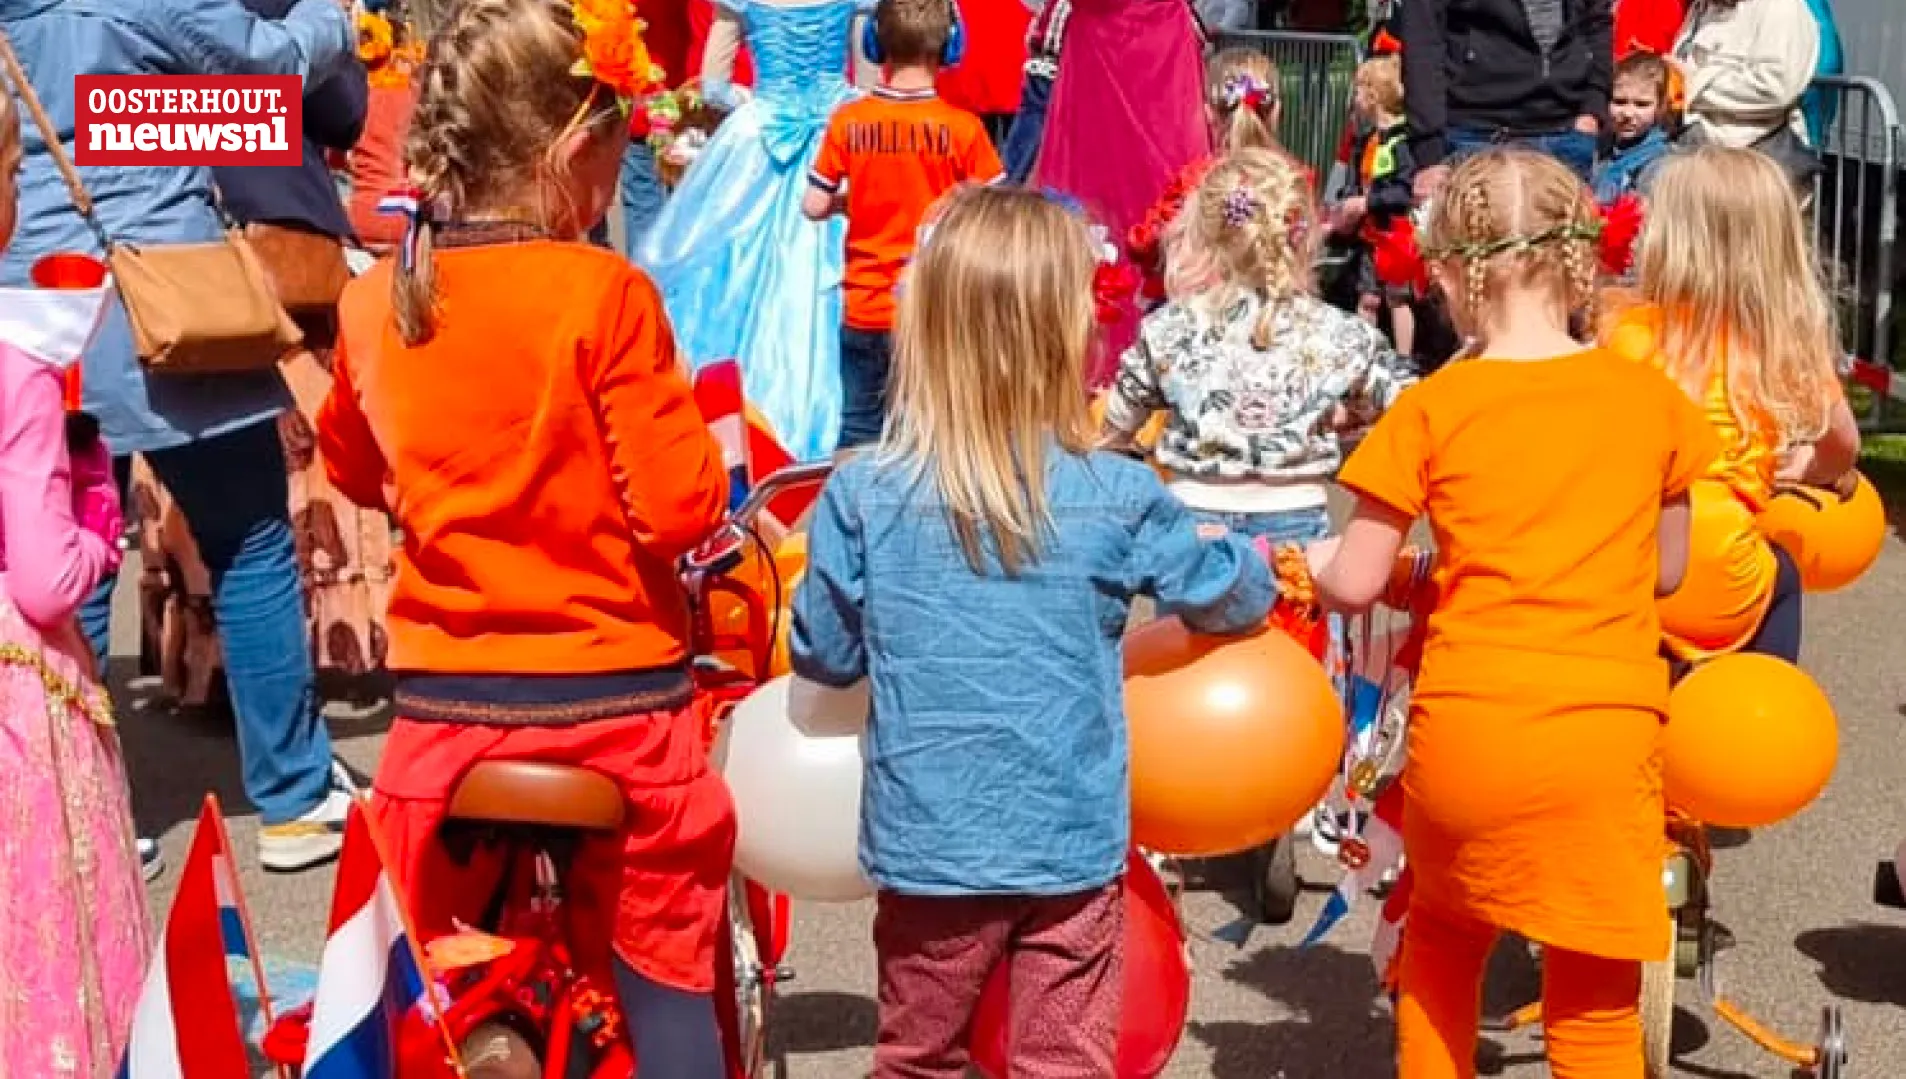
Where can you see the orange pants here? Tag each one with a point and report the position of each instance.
(1591, 1014)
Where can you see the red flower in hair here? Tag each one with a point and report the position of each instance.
(1397, 259)
(1621, 226)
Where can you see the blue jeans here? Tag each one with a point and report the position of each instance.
(232, 491)
(1289, 526)
(1029, 127)
(642, 194)
(1570, 147)
(866, 357)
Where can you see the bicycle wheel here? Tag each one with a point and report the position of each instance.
(1657, 1009)
(751, 984)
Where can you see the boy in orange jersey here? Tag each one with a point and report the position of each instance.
(886, 159)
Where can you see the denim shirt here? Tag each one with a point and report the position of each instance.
(58, 39)
(996, 760)
(1625, 167)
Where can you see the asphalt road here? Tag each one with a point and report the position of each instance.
(1795, 897)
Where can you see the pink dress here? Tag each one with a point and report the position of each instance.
(74, 943)
(1131, 91)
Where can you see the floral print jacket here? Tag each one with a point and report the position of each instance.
(1235, 412)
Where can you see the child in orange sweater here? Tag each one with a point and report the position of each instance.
(1533, 786)
(514, 398)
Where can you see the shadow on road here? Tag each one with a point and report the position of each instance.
(821, 1022)
(1860, 962)
(1336, 1026)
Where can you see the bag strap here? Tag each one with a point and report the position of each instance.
(82, 201)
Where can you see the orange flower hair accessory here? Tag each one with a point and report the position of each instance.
(613, 52)
(375, 39)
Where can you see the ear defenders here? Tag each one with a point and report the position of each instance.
(952, 54)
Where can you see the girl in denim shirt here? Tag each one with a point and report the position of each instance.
(977, 566)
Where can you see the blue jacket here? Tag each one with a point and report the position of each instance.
(58, 39)
(996, 751)
(1626, 167)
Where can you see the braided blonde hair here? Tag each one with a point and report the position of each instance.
(1511, 214)
(496, 97)
(1245, 230)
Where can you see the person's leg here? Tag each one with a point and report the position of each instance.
(1779, 632)
(1067, 962)
(1439, 995)
(1462, 142)
(1571, 148)
(1028, 127)
(1402, 324)
(864, 360)
(934, 956)
(232, 491)
(674, 1030)
(1591, 1015)
(642, 194)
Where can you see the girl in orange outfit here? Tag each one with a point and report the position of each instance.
(513, 396)
(1533, 782)
(1731, 306)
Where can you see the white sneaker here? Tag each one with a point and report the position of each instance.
(311, 840)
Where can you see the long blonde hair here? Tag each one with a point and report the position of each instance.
(1228, 77)
(497, 95)
(996, 314)
(1725, 259)
(1512, 214)
(1247, 229)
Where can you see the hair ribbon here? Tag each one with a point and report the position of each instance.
(410, 204)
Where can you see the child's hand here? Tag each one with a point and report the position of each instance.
(96, 496)
(1351, 211)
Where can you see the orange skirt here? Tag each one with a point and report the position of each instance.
(1543, 818)
(655, 895)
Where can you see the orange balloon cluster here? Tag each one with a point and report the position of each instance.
(1232, 738)
(1833, 540)
(1706, 610)
(1750, 741)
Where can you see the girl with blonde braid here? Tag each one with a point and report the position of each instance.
(1533, 783)
(513, 395)
(1255, 374)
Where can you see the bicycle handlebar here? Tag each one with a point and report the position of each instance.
(776, 484)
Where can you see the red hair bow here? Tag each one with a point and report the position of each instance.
(1621, 225)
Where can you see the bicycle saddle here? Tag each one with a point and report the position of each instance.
(537, 793)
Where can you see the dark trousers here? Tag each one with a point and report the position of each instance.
(865, 359)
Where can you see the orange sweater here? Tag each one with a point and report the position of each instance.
(543, 455)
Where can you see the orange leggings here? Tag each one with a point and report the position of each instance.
(1590, 1005)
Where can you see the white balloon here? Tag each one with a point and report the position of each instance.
(791, 754)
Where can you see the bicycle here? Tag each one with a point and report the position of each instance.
(512, 1000)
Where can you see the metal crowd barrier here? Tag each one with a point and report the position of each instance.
(1314, 75)
(1855, 213)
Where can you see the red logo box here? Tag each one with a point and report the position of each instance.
(188, 119)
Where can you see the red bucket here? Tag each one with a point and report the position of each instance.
(69, 270)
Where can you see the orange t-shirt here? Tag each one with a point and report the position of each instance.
(896, 153)
(1731, 568)
(543, 455)
(1543, 484)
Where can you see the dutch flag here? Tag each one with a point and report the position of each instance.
(750, 451)
(368, 976)
(186, 1025)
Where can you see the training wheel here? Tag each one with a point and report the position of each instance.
(1832, 1047)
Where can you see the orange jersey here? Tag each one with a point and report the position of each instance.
(895, 153)
(542, 453)
(1543, 484)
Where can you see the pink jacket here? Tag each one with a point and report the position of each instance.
(51, 560)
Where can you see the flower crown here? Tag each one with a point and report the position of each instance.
(613, 52)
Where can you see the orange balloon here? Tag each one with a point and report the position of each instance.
(1718, 604)
(1833, 540)
(1233, 738)
(1750, 741)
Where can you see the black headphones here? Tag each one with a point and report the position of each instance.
(952, 54)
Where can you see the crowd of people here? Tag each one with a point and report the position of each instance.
(931, 282)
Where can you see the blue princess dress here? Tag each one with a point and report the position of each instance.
(743, 273)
